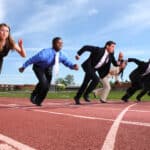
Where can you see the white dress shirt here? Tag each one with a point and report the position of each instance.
(56, 65)
(103, 60)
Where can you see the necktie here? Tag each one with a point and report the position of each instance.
(56, 65)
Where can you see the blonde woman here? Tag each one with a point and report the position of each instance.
(7, 43)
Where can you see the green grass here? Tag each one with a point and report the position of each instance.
(114, 95)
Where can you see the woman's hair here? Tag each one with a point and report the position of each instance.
(10, 43)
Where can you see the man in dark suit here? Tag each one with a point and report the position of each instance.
(139, 79)
(99, 60)
(145, 87)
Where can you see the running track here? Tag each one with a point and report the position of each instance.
(60, 125)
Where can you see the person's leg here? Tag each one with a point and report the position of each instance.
(43, 84)
(146, 84)
(92, 86)
(130, 91)
(140, 95)
(35, 92)
(106, 89)
(97, 92)
(48, 74)
(81, 90)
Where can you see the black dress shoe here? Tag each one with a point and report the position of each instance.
(33, 99)
(102, 101)
(125, 100)
(38, 104)
(86, 98)
(138, 99)
(77, 101)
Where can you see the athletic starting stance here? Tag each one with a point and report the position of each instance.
(43, 63)
(140, 79)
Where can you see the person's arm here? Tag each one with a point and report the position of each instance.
(138, 62)
(19, 48)
(37, 58)
(114, 62)
(86, 48)
(68, 63)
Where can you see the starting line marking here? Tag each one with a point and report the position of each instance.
(109, 142)
(13, 143)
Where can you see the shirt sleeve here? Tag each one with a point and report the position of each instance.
(65, 60)
(114, 62)
(33, 60)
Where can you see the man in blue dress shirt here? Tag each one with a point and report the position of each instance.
(43, 63)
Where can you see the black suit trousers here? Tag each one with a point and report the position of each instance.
(131, 90)
(89, 83)
(42, 88)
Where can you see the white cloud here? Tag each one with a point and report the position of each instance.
(51, 16)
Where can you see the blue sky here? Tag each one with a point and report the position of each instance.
(78, 22)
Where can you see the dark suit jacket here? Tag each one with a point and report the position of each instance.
(95, 56)
(137, 73)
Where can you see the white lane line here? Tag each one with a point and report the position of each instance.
(71, 115)
(109, 142)
(16, 106)
(6, 147)
(34, 108)
(15, 143)
(64, 104)
(142, 111)
(145, 124)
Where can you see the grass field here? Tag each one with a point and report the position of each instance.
(114, 95)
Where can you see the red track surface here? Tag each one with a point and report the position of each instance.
(60, 125)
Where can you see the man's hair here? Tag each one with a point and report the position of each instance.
(55, 40)
(109, 43)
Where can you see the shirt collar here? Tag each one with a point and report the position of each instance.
(106, 52)
(55, 51)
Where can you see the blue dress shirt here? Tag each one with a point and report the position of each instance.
(46, 58)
